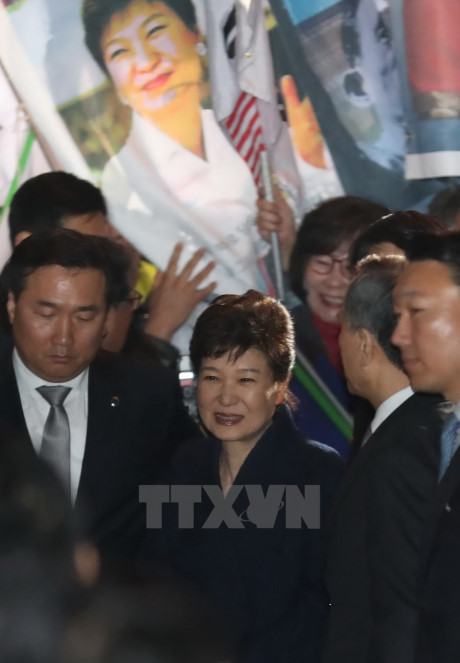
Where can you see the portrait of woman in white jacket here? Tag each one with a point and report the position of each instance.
(177, 178)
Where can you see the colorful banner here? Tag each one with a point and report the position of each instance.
(429, 55)
(135, 94)
(343, 58)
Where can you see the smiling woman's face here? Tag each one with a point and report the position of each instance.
(151, 56)
(237, 398)
(326, 282)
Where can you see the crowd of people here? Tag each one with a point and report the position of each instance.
(253, 532)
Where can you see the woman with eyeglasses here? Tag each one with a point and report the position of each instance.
(319, 274)
(317, 258)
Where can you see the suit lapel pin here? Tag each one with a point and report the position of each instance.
(115, 402)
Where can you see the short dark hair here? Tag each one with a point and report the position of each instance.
(48, 200)
(369, 302)
(71, 250)
(443, 248)
(236, 323)
(445, 206)
(96, 15)
(400, 229)
(325, 228)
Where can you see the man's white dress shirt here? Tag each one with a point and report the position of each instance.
(36, 410)
(389, 406)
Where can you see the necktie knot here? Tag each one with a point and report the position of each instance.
(448, 442)
(54, 395)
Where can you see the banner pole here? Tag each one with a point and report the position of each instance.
(321, 393)
(23, 159)
(38, 136)
(274, 239)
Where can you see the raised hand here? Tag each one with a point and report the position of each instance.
(306, 133)
(277, 217)
(175, 294)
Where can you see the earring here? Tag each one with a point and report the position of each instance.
(201, 48)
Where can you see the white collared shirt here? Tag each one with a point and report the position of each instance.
(455, 409)
(389, 406)
(36, 410)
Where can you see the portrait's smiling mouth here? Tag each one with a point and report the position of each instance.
(157, 81)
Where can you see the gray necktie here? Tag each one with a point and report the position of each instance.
(55, 447)
(449, 444)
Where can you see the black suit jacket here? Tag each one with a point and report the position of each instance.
(265, 583)
(136, 420)
(374, 536)
(438, 636)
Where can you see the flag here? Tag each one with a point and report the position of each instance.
(244, 125)
(244, 91)
(245, 131)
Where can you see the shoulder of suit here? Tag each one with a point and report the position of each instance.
(427, 406)
(116, 366)
(325, 455)
(314, 455)
(296, 443)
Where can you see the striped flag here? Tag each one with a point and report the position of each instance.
(245, 132)
(243, 124)
(244, 92)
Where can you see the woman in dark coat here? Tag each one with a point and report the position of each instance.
(253, 554)
(317, 257)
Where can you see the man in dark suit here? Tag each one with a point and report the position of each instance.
(375, 522)
(427, 301)
(117, 423)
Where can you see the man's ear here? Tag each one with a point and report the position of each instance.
(366, 347)
(20, 237)
(11, 307)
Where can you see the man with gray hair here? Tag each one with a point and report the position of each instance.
(375, 523)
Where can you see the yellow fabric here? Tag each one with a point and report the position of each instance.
(145, 279)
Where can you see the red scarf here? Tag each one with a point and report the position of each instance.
(329, 332)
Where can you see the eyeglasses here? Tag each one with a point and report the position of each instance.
(325, 265)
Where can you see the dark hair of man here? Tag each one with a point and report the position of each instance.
(96, 15)
(369, 302)
(445, 206)
(71, 250)
(234, 323)
(325, 228)
(399, 229)
(48, 200)
(442, 248)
